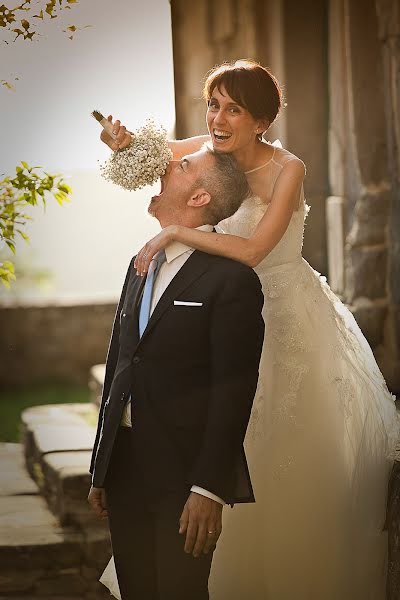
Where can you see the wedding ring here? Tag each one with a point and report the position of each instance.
(210, 532)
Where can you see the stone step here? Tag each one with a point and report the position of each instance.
(58, 441)
(14, 478)
(96, 380)
(40, 559)
(66, 485)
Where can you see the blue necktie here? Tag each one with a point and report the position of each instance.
(144, 314)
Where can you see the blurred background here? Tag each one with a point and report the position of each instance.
(338, 62)
(120, 64)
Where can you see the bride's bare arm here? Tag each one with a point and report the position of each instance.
(182, 147)
(179, 147)
(249, 251)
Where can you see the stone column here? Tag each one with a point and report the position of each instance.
(388, 12)
(306, 81)
(206, 33)
(358, 164)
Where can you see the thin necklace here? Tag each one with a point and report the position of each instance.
(261, 166)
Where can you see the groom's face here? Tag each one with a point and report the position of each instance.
(178, 187)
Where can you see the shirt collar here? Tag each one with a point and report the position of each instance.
(175, 249)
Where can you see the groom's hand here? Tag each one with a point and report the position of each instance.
(201, 519)
(97, 500)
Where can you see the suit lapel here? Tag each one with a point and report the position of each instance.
(193, 268)
(132, 306)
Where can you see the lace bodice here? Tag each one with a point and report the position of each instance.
(244, 222)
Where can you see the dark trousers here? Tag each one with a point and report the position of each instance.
(148, 550)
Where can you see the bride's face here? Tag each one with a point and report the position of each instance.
(231, 126)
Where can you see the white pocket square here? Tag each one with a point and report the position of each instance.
(182, 303)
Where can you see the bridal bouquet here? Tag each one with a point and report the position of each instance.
(142, 162)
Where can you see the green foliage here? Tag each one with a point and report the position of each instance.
(14, 19)
(25, 19)
(13, 400)
(30, 186)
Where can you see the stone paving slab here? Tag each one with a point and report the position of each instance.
(68, 414)
(14, 480)
(61, 438)
(70, 462)
(26, 520)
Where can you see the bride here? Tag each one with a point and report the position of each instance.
(323, 427)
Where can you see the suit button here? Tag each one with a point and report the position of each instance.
(136, 360)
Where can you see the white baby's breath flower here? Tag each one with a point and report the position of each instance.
(142, 162)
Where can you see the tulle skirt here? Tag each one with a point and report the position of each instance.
(109, 579)
(320, 446)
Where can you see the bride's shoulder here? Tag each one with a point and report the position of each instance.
(288, 161)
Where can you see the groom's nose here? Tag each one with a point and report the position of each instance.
(171, 165)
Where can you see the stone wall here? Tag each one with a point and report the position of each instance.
(360, 175)
(53, 342)
(388, 12)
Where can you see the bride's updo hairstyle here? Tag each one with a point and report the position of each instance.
(249, 84)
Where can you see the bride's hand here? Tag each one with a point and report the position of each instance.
(159, 242)
(123, 138)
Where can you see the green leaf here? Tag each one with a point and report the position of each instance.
(24, 164)
(65, 188)
(4, 281)
(9, 266)
(8, 85)
(60, 197)
(23, 235)
(11, 246)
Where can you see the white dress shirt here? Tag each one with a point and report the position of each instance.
(176, 254)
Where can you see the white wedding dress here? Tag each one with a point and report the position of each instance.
(320, 442)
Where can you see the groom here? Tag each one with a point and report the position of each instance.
(181, 374)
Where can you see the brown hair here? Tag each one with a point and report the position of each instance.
(227, 185)
(250, 85)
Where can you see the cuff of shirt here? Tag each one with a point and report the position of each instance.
(203, 492)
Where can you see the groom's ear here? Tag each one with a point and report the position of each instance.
(199, 197)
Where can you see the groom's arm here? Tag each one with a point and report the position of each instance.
(236, 337)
